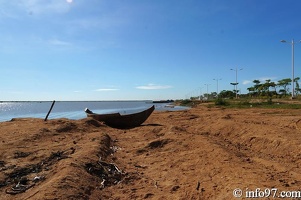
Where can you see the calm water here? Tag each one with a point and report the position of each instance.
(74, 109)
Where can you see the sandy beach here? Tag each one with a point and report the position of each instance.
(200, 153)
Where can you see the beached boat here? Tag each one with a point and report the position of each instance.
(116, 120)
(100, 117)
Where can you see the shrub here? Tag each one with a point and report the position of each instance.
(221, 102)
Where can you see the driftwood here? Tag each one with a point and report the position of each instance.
(19, 188)
(108, 172)
(19, 174)
(49, 111)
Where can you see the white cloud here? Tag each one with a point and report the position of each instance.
(59, 42)
(153, 87)
(246, 82)
(106, 89)
(261, 79)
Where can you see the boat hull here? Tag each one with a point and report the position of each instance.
(116, 120)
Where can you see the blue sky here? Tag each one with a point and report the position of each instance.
(137, 50)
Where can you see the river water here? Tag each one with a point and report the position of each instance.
(74, 109)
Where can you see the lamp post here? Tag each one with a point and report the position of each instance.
(200, 93)
(217, 84)
(207, 91)
(293, 70)
(236, 83)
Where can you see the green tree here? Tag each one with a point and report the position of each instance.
(266, 87)
(257, 87)
(273, 85)
(227, 94)
(297, 89)
(284, 83)
(251, 90)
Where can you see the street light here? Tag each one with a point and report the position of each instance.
(293, 60)
(236, 83)
(217, 85)
(200, 92)
(207, 91)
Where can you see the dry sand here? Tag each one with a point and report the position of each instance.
(201, 153)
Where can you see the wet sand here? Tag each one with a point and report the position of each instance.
(201, 153)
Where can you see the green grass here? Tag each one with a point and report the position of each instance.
(264, 104)
(246, 103)
(187, 102)
(221, 102)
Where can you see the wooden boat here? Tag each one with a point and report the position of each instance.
(116, 120)
(100, 117)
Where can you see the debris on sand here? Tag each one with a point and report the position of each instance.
(109, 173)
(18, 180)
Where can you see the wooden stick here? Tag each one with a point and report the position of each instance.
(198, 185)
(49, 110)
